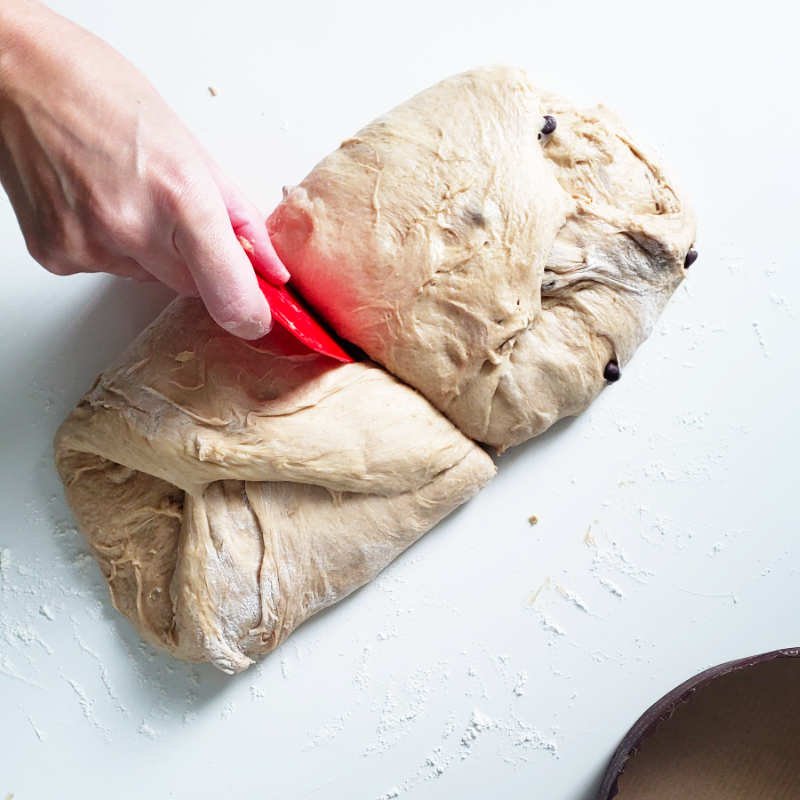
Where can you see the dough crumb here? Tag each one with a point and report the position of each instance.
(533, 520)
(213, 91)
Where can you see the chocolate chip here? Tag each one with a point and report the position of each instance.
(476, 218)
(691, 257)
(549, 125)
(612, 372)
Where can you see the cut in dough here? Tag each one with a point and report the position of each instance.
(230, 491)
(495, 270)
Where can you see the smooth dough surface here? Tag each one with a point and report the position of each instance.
(495, 270)
(230, 492)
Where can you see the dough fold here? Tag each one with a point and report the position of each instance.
(230, 491)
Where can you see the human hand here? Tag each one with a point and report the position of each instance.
(104, 177)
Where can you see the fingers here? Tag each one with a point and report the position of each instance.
(222, 272)
(248, 223)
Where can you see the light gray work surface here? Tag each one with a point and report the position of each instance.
(494, 659)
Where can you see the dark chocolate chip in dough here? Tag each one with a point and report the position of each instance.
(612, 372)
(476, 218)
(549, 125)
(691, 257)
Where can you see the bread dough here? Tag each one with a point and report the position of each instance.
(495, 270)
(229, 493)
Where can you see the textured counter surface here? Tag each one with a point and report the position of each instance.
(495, 657)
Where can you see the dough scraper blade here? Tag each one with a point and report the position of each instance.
(290, 313)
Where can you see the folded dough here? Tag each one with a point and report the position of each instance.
(494, 269)
(230, 492)
(494, 265)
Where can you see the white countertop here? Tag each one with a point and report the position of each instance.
(494, 658)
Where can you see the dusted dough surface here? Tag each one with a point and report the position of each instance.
(230, 492)
(494, 270)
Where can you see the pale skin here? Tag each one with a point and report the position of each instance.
(104, 177)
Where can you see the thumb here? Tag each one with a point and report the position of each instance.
(222, 273)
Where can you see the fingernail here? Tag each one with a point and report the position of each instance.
(253, 328)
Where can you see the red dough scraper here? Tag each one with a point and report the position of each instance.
(289, 312)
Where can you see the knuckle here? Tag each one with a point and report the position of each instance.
(174, 183)
(78, 245)
(39, 249)
(45, 249)
(184, 192)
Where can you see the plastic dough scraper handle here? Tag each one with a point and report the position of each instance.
(289, 312)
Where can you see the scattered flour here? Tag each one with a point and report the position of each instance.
(404, 704)
(146, 730)
(102, 669)
(609, 556)
(87, 707)
(760, 338)
(362, 677)
(329, 731)
(8, 668)
(5, 564)
(478, 723)
(573, 598)
(434, 761)
(612, 587)
(516, 739)
(28, 636)
(550, 625)
(40, 734)
(257, 693)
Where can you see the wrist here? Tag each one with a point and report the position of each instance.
(21, 24)
(20, 20)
